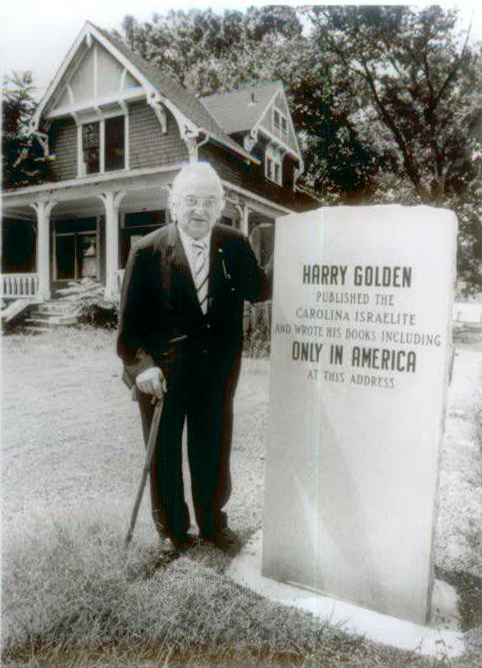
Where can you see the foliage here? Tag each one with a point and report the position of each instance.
(98, 313)
(72, 596)
(413, 90)
(411, 87)
(257, 330)
(216, 45)
(92, 308)
(23, 160)
(386, 99)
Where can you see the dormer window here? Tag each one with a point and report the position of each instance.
(280, 123)
(103, 145)
(272, 165)
(269, 168)
(284, 126)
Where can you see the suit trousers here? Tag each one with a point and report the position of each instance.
(201, 384)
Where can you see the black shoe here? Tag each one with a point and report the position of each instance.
(183, 543)
(225, 540)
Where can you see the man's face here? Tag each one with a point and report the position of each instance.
(199, 206)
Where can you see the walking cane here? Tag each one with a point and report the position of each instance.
(151, 444)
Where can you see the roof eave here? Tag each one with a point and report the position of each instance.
(241, 151)
(152, 91)
(160, 95)
(35, 120)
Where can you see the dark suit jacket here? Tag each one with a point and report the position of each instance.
(159, 304)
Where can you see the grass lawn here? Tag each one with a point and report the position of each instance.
(72, 458)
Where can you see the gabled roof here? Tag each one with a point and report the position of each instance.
(157, 82)
(244, 110)
(187, 103)
(240, 110)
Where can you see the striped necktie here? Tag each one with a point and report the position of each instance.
(201, 273)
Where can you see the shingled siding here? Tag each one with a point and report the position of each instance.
(250, 177)
(148, 146)
(63, 143)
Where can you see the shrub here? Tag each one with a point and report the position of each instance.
(91, 306)
(257, 330)
(99, 313)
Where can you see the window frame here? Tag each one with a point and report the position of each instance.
(281, 129)
(83, 149)
(111, 155)
(81, 164)
(273, 162)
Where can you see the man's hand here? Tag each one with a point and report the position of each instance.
(152, 381)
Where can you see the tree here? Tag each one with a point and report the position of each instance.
(211, 53)
(386, 99)
(23, 161)
(181, 41)
(414, 88)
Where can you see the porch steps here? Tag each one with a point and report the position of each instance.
(52, 314)
(15, 309)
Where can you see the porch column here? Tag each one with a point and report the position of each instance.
(43, 210)
(244, 211)
(245, 220)
(111, 201)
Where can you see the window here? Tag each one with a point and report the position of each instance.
(76, 249)
(269, 168)
(280, 123)
(114, 143)
(272, 165)
(103, 145)
(136, 225)
(284, 126)
(91, 147)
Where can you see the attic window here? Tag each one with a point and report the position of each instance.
(280, 123)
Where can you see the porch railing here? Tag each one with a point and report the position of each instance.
(19, 285)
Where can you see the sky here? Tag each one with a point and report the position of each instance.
(37, 34)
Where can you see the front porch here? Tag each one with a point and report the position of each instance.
(54, 234)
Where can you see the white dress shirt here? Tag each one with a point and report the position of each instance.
(191, 252)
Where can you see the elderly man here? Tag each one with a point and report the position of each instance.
(181, 334)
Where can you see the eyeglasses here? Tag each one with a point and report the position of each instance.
(208, 203)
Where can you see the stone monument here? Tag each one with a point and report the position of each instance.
(361, 345)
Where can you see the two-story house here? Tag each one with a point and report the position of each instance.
(117, 130)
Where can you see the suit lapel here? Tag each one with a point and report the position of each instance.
(182, 283)
(177, 256)
(219, 267)
(180, 272)
(216, 252)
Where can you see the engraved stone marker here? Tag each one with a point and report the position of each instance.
(361, 343)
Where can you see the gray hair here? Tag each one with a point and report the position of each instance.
(195, 168)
